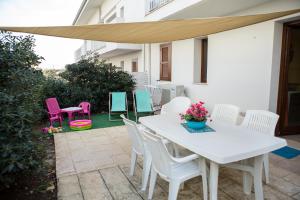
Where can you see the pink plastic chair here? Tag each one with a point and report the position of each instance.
(54, 111)
(86, 108)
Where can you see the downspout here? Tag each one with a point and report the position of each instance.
(144, 52)
(149, 62)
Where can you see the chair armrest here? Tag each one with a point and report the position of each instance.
(165, 141)
(185, 159)
(141, 127)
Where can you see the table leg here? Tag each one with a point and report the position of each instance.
(213, 180)
(247, 179)
(70, 116)
(258, 188)
(203, 167)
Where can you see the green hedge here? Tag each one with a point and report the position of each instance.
(88, 80)
(21, 105)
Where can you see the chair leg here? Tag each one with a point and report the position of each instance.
(203, 168)
(152, 183)
(173, 189)
(266, 168)
(60, 122)
(133, 162)
(146, 171)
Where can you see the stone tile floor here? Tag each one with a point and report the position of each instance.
(94, 164)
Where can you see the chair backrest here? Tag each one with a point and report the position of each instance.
(118, 101)
(134, 135)
(143, 101)
(176, 106)
(53, 106)
(86, 106)
(225, 113)
(161, 159)
(260, 121)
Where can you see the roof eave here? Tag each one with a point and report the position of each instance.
(82, 5)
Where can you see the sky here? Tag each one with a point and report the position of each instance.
(57, 51)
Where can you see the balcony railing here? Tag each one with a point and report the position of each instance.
(152, 5)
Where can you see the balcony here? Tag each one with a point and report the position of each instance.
(152, 5)
(88, 47)
(112, 49)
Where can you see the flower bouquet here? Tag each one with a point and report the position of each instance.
(196, 116)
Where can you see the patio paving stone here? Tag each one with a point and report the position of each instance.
(69, 188)
(94, 164)
(93, 187)
(118, 185)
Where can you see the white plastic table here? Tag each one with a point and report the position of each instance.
(226, 145)
(70, 111)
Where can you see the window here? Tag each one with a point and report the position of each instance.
(165, 62)
(134, 65)
(122, 65)
(203, 68)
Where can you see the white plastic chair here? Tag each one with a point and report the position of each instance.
(138, 149)
(176, 106)
(174, 170)
(225, 113)
(264, 122)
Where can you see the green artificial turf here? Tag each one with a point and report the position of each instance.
(100, 121)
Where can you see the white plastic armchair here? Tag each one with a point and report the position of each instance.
(264, 122)
(225, 113)
(174, 170)
(138, 149)
(176, 106)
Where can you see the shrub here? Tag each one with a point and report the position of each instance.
(20, 90)
(91, 80)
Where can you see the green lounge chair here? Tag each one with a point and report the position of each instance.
(117, 104)
(142, 102)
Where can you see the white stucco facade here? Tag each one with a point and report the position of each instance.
(243, 64)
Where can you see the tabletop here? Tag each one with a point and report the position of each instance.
(70, 109)
(227, 144)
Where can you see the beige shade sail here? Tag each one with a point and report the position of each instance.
(151, 32)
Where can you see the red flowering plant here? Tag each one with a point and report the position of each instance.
(197, 112)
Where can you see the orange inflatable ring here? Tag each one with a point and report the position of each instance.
(80, 125)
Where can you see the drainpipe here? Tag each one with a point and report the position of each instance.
(144, 55)
(149, 48)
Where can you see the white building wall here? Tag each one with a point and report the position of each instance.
(107, 6)
(128, 58)
(243, 64)
(95, 17)
(239, 68)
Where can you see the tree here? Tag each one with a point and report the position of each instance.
(91, 79)
(20, 90)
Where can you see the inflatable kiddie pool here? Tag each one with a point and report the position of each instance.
(79, 125)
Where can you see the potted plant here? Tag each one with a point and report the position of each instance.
(196, 116)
